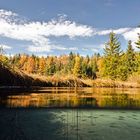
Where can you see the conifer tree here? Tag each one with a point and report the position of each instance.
(112, 55)
(50, 67)
(131, 59)
(71, 60)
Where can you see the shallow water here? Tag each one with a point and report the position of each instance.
(69, 124)
(71, 114)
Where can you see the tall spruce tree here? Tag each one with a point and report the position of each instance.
(112, 56)
(128, 63)
(131, 59)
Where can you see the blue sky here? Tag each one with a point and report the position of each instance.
(54, 27)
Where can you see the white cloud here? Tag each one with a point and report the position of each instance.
(93, 48)
(73, 48)
(101, 46)
(116, 31)
(7, 14)
(37, 49)
(127, 33)
(59, 47)
(5, 47)
(38, 32)
(132, 34)
(51, 47)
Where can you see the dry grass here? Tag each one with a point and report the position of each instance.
(112, 83)
(59, 80)
(18, 78)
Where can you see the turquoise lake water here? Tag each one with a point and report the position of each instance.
(70, 114)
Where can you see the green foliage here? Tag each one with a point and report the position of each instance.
(71, 61)
(112, 57)
(50, 66)
(114, 64)
(112, 47)
(131, 61)
(122, 68)
(138, 62)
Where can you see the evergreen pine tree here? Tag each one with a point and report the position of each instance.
(112, 55)
(131, 59)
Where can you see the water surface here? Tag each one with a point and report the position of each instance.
(70, 114)
(73, 98)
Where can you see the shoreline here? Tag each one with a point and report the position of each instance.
(82, 84)
(15, 79)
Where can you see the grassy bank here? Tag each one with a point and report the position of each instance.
(108, 83)
(10, 77)
(71, 81)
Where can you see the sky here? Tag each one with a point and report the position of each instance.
(56, 27)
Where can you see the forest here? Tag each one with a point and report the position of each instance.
(114, 64)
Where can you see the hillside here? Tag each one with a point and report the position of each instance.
(13, 77)
(10, 77)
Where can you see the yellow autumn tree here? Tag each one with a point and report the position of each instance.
(3, 58)
(77, 66)
(22, 62)
(100, 64)
(42, 65)
(30, 66)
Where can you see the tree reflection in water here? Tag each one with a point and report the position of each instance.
(71, 114)
(73, 98)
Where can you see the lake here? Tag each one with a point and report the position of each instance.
(70, 114)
